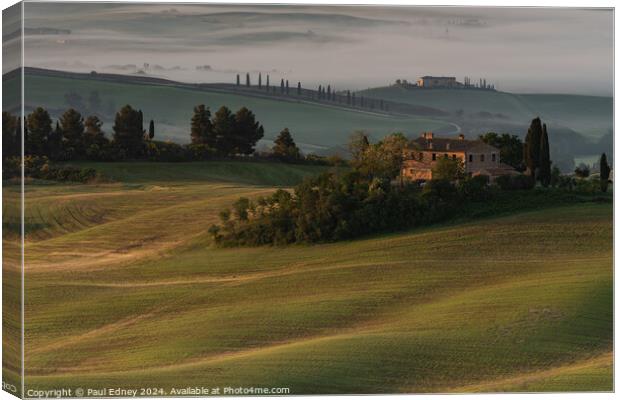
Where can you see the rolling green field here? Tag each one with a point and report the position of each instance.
(591, 116)
(315, 126)
(124, 290)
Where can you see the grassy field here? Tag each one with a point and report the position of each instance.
(311, 124)
(123, 290)
(591, 116)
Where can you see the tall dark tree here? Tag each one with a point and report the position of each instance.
(260, 80)
(544, 173)
(299, 88)
(285, 147)
(532, 147)
(93, 134)
(281, 85)
(247, 79)
(128, 132)
(9, 137)
(604, 170)
(151, 130)
(141, 121)
(55, 143)
(238, 80)
(26, 136)
(287, 86)
(349, 97)
(201, 127)
(39, 129)
(247, 132)
(319, 91)
(267, 85)
(353, 99)
(223, 130)
(329, 92)
(72, 125)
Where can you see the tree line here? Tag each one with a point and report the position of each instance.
(322, 93)
(73, 137)
(371, 196)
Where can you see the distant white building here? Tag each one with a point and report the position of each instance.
(438, 82)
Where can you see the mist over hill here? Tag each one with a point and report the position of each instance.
(580, 127)
(519, 50)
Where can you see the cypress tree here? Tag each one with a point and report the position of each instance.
(353, 99)
(17, 144)
(299, 88)
(348, 97)
(604, 170)
(281, 85)
(532, 147)
(329, 92)
(247, 79)
(545, 159)
(267, 85)
(260, 80)
(319, 92)
(238, 82)
(151, 130)
(287, 86)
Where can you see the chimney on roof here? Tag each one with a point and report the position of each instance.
(461, 136)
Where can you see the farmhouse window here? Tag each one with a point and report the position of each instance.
(421, 156)
(481, 157)
(471, 158)
(434, 156)
(493, 157)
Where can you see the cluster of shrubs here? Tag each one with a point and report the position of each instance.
(37, 167)
(515, 182)
(338, 206)
(333, 206)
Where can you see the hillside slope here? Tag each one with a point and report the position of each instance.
(136, 297)
(315, 127)
(590, 116)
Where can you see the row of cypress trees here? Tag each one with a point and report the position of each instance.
(536, 152)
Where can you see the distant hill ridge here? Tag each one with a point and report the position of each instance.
(372, 104)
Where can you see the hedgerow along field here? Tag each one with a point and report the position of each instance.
(123, 289)
(314, 126)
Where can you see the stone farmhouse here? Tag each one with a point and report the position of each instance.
(438, 82)
(478, 157)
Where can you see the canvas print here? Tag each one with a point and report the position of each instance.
(227, 199)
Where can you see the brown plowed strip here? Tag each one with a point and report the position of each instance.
(530, 377)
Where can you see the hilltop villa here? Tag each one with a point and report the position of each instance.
(438, 82)
(478, 157)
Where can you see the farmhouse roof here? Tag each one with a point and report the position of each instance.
(448, 144)
(437, 77)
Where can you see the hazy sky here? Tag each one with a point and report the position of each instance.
(518, 49)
